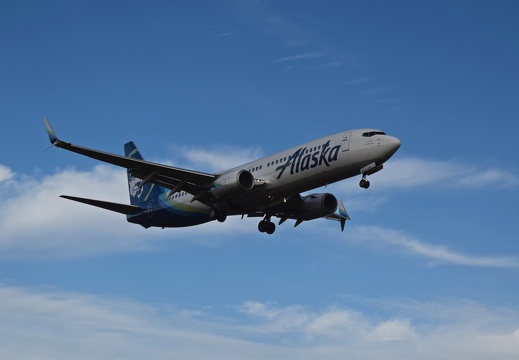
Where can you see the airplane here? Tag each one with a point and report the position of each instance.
(167, 196)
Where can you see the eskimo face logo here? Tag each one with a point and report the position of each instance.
(304, 159)
(135, 187)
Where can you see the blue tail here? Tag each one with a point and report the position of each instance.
(140, 195)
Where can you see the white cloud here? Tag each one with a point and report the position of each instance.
(49, 323)
(35, 222)
(337, 332)
(5, 173)
(375, 235)
(393, 330)
(506, 344)
(331, 324)
(337, 324)
(284, 320)
(409, 172)
(33, 219)
(218, 158)
(412, 172)
(45, 323)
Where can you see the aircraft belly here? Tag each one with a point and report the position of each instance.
(164, 218)
(168, 213)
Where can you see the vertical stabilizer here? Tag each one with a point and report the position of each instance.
(140, 193)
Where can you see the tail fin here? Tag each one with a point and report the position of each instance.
(140, 193)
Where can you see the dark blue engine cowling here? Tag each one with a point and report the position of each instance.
(315, 206)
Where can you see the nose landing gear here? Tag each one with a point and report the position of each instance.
(369, 170)
(364, 183)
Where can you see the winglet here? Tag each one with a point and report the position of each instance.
(52, 135)
(342, 211)
(344, 215)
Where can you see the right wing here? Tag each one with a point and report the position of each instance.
(173, 178)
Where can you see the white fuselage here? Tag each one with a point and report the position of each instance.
(302, 168)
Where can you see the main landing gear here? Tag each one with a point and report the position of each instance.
(267, 226)
(219, 215)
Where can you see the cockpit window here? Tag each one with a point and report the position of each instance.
(373, 133)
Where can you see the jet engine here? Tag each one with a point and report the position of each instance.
(232, 183)
(315, 206)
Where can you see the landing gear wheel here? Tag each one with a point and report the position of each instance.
(219, 215)
(262, 226)
(364, 183)
(271, 227)
(266, 226)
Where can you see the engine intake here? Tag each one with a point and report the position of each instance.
(232, 183)
(315, 206)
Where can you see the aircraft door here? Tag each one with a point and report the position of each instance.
(346, 141)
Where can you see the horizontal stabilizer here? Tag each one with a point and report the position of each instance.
(120, 208)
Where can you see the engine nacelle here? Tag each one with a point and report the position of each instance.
(232, 183)
(315, 206)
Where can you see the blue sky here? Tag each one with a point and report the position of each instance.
(427, 268)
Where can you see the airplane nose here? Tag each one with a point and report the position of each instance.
(392, 145)
(396, 143)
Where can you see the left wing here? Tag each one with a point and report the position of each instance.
(173, 178)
